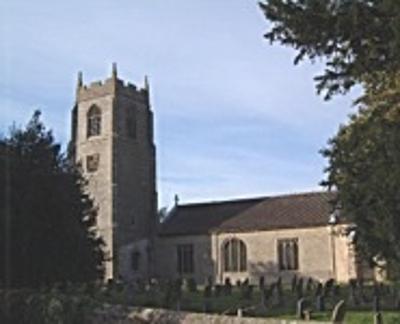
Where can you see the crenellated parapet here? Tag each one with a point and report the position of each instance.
(111, 86)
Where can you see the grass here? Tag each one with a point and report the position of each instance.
(195, 302)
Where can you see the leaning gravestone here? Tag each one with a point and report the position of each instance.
(301, 305)
(339, 313)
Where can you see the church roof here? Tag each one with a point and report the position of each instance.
(267, 213)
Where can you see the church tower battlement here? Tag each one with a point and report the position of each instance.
(112, 139)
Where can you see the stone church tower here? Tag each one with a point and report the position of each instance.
(112, 139)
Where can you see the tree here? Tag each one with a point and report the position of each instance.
(364, 167)
(46, 219)
(359, 40)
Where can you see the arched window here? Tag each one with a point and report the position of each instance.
(93, 121)
(234, 256)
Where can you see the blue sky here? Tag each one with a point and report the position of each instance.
(234, 117)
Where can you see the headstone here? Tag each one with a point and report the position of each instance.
(279, 287)
(309, 285)
(261, 282)
(248, 292)
(191, 285)
(294, 283)
(336, 290)
(376, 305)
(328, 286)
(320, 303)
(339, 313)
(378, 318)
(301, 306)
(299, 288)
(318, 290)
(207, 291)
(228, 287)
(218, 290)
(266, 295)
(352, 298)
(238, 283)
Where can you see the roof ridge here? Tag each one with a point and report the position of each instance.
(241, 200)
(221, 202)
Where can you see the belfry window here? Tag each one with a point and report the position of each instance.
(92, 162)
(93, 121)
(288, 254)
(131, 123)
(234, 256)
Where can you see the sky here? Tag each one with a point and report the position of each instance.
(234, 118)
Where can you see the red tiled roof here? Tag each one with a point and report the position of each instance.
(286, 211)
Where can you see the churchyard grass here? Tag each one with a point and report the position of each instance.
(285, 308)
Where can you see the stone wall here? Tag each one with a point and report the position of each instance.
(321, 255)
(125, 315)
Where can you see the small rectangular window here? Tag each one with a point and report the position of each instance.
(185, 258)
(288, 254)
(92, 162)
(135, 259)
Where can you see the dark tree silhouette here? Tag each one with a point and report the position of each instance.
(46, 220)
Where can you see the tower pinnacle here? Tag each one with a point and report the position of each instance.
(79, 82)
(114, 70)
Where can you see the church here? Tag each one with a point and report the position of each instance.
(273, 236)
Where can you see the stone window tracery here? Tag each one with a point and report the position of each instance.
(234, 256)
(93, 121)
(288, 254)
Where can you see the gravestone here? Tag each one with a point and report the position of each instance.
(294, 283)
(352, 298)
(376, 305)
(227, 287)
(279, 287)
(191, 285)
(339, 313)
(318, 290)
(238, 283)
(301, 307)
(207, 291)
(336, 291)
(328, 286)
(299, 288)
(378, 318)
(247, 292)
(261, 282)
(309, 285)
(218, 290)
(320, 303)
(266, 295)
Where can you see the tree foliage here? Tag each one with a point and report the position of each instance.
(359, 40)
(46, 219)
(364, 167)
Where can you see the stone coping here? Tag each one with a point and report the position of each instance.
(134, 315)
